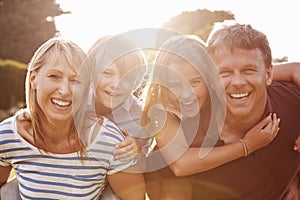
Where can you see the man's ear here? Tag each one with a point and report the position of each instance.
(269, 75)
(32, 79)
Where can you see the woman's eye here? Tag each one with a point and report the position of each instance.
(53, 76)
(196, 82)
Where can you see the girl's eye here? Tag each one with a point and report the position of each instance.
(174, 86)
(196, 82)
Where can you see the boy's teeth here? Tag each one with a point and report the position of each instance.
(238, 96)
(61, 103)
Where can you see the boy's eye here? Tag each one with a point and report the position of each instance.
(107, 73)
(196, 83)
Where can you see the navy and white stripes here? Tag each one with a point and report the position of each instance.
(60, 176)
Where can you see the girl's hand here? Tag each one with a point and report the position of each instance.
(128, 149)
(297, 144)
(262, 133)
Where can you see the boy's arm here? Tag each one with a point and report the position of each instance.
(289, 71)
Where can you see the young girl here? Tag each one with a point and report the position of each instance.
(46, 151)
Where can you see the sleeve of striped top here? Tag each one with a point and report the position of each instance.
(104, 145)
(7, 141)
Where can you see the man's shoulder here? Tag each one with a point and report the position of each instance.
(283, 89)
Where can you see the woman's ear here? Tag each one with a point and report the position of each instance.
(32, 78)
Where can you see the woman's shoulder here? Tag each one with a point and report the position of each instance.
(7, 124)
(110, 127)
(106, 130)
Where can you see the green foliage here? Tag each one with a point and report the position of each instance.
(12, 90)
(280, 60)
(199, 22)
(25, 25)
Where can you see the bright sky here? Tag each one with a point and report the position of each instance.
(90, 19)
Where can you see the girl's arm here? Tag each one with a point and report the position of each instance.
(297, 144)
(128, 186)
(287, 72)
(189, 162)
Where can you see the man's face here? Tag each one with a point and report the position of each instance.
(245, 78)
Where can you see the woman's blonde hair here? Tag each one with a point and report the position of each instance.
(51, 50)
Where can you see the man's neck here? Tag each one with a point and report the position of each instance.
(235, 127)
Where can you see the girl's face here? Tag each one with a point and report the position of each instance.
(54, 83)
(113, 88)
(188, 89)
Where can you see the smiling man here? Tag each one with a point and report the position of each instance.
(243, 57)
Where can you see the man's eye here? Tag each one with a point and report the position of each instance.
(224, 73)
(249, 71)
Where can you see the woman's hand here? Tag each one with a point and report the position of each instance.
(262, 133)
(128, 149)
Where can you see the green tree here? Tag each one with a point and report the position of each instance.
(12, 89)
(25, 25)
(199, 22)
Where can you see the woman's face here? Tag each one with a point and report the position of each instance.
(54, 83)
(188, 89)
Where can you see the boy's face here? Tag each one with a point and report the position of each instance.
(245, 79)
(112, 89)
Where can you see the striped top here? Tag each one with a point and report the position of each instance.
(60, 176)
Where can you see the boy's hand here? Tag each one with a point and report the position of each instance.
(128, 149)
